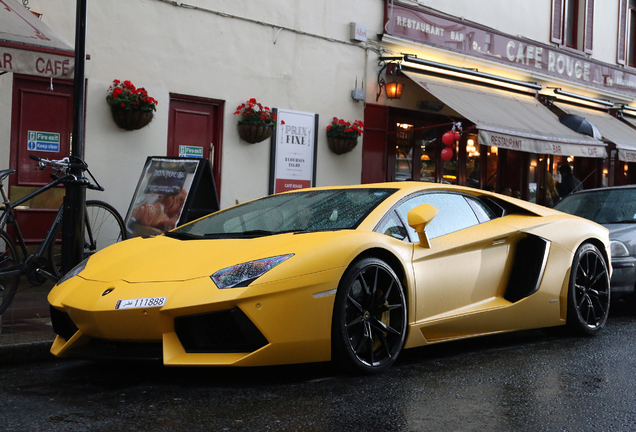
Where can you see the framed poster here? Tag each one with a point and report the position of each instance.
(293, 153)
(170, 192)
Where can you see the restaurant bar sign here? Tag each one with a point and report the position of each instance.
(441, 31)
(539, 146)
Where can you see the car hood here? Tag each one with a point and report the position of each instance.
(167, 259)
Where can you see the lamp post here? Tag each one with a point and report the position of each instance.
(75, 199)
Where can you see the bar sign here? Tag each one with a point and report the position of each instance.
(43, 141)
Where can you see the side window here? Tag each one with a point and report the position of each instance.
(392, 226)
(484, 214)
(454, 213)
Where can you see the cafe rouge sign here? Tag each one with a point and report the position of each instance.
(429, 28)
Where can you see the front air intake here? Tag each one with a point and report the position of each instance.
(63, 325)
(217, 332)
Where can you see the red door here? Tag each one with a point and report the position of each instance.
(41, 124)
(195, 127)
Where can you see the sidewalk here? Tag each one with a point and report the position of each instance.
(26, 333)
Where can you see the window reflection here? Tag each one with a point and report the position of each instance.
(404, 152)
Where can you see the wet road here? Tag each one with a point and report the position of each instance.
(526, 381)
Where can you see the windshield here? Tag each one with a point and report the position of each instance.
(602, 206)
(313, 210)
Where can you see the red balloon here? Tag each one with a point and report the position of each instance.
(447, 153)
(457, 136)
(448, 138)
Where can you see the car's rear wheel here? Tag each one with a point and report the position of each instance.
(370, 317)
(589, 291)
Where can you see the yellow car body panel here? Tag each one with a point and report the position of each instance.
(454, 288)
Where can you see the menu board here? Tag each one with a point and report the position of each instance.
(294, 150)
(169, 194)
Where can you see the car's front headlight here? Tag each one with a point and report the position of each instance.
(73, 272)
(618, 249)
(241, 275)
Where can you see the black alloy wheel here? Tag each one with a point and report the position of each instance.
(589, 291)
(370, 317)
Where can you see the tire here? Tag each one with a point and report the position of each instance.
(589, 291)
(8, 259)
(104, 227)
(369, 321)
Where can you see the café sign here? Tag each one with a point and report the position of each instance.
(441, 31)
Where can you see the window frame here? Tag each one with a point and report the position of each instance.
(582, 27)
(630, 38)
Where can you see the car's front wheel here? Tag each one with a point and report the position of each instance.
(589, 291)
(370, 317)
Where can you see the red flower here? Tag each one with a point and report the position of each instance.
(282, 122)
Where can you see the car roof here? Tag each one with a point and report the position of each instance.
(607, 188)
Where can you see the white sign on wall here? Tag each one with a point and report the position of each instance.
(293, 151)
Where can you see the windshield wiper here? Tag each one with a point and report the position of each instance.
(183, 235)
(626, 221)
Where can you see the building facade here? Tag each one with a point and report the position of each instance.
(517, 76)
(501, 73)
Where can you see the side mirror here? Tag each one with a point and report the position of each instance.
(418, 218)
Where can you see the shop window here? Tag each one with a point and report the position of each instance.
(573, 23)
(472, 161)
(626, 44)
(492, 159)
(450, 170)
(428, 155)
(404, 152)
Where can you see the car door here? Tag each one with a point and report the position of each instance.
(464, 270)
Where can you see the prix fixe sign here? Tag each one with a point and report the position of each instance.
(293, 151)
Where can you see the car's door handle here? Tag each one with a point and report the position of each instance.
(499, 241)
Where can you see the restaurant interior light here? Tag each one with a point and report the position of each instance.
(393, 90)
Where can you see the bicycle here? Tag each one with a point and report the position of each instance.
(103, 226)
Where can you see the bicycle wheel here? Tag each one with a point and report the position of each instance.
(8, 259)
(104, 227)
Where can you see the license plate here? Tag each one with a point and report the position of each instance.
(141, 303)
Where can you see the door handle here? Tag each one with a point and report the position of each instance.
(499, 241)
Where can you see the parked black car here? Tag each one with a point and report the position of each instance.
(615, 209)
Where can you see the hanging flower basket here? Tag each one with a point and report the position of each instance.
(130, 119)
(131, 107)
(341, 145)
(342, 136)
(256, 122)
(254, 133)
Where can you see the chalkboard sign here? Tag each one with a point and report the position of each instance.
(171, 192)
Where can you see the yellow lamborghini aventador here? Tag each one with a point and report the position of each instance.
(350, 274)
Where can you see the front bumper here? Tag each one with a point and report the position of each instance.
(284, 322)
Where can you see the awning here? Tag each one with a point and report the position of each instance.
(612, 129)
(510, 120)
(29, 46)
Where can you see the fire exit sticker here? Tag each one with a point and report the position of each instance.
(43, 141)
